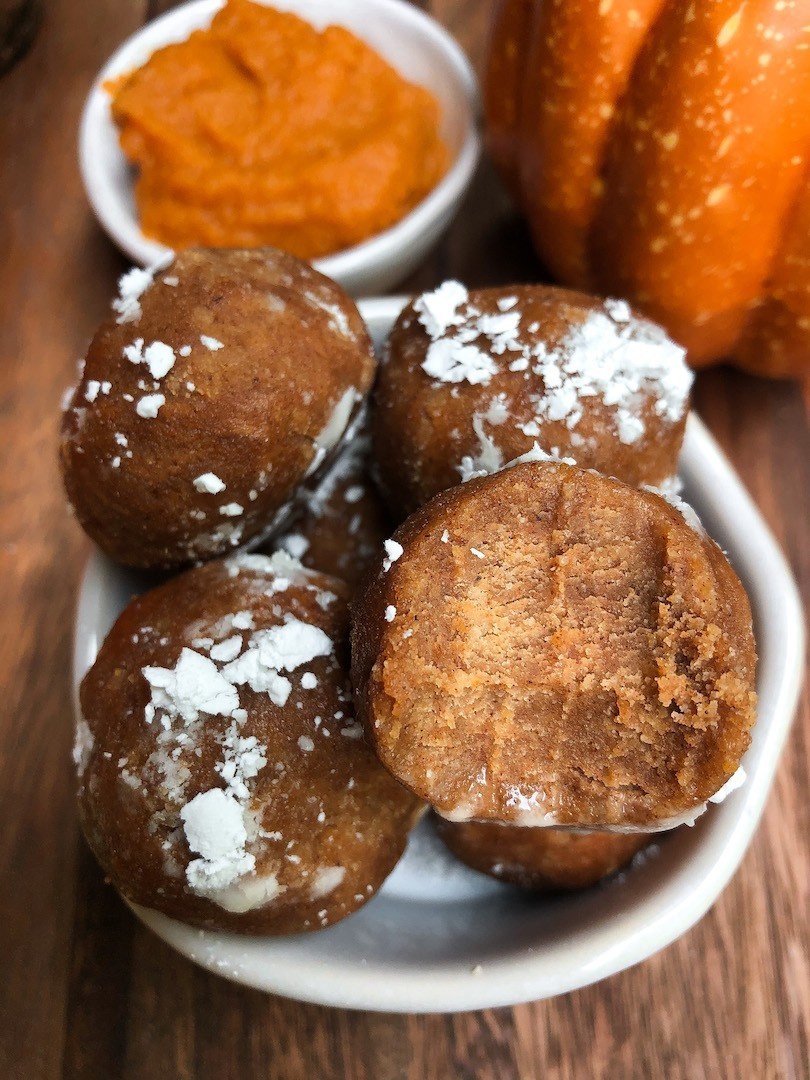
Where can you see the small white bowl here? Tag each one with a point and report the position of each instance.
(442, 938)
(412, 42)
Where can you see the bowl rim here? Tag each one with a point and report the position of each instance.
(620, 940)
(123, 227)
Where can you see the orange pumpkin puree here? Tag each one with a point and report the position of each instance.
(262, 130)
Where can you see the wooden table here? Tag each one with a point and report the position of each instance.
(85, 991)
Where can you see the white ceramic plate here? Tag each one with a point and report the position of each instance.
(413, 43)
(442, 938)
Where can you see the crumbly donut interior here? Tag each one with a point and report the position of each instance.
(576, 673)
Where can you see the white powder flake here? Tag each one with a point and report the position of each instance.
(502, 331)
(158, 357)
(393, 550)
(243, 758)
(337, 317)
(326, 880)
(262, 678)
(131, 288)
(214, 827)
(192, 686)
(390, 613)
(211, 343)
(306, 744)
(209, 484)
(449, 361)
(352, 731)
(225, 651)
(488, 459)
(279, 648)
(233, 509)
(295, 545)
(83, 744)
(619, 310)
(292, 644)
(438, 310)
(149, 405)
(451, 356)
(308, 681)
(536, 454)
(668, 492)
(94, 388)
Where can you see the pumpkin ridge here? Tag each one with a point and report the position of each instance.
(565, 120)
(703, 168)
(776, 336)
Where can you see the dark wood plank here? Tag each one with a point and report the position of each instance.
(87, 992)
(54, 276)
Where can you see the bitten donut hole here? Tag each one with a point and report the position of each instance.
(560, 659)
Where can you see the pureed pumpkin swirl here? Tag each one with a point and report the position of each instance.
(261, 130)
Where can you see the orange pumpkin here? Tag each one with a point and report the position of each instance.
(659, 150)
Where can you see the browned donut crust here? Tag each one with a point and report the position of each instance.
(550, 646)
(344, 523)
(574, 375)
(274, 820)
(220, 384)
(547, 859)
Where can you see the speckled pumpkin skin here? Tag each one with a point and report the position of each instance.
(659, 151)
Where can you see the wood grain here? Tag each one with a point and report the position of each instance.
(88, 993)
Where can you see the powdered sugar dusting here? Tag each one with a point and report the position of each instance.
(243, 757)
(438, 311)
(610, 355)
(215, 830)
(82, 745)
(449, 361)
(687, 512)
(536, 454)
(192, 686)
(488, 459)
(393, 551)
(326, 880)
(616, 359)
(217, 823)
(131, 287)
(292, 644)
(451, 356)
(158, 357)
(209, 483)
(338, 320)
(149, 405)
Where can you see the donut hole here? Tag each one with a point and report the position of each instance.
(563, 657)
